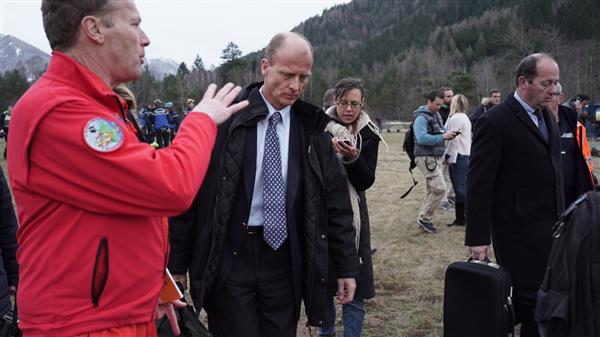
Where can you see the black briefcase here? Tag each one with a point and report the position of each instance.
(188, 321)
(477, 300)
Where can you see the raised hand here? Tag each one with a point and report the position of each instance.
(218, 106)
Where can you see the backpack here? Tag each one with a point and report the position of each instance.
(568, 302)
(409, 148)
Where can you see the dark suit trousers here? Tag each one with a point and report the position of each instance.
(524, 304)
(257, 298)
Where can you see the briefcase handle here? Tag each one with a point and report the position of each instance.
(486, 262)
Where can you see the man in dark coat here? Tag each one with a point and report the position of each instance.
(514, 183)
(249, 285)
(447, 98)
(492, 100)
(577, 177)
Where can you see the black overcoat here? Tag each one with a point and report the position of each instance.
(514, 190)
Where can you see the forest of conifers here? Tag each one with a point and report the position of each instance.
(402, 49)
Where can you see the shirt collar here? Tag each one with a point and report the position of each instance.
(524, 104)
(285, 112)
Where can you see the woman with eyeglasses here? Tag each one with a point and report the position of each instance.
(356, 141)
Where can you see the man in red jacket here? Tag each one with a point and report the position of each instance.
(93, 240)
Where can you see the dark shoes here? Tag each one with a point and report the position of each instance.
(426, 226)
(459, 219)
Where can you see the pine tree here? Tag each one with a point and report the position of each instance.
(231, 52)
(13, 85)
(182, 71)
(171, 90)
(198, 64)
(232, 68)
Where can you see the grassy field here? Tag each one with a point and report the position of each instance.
(409, 265)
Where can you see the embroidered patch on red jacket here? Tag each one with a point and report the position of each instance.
(103, 135)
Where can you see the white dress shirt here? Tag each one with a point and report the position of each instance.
(256, 217)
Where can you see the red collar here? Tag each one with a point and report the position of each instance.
(65, 69)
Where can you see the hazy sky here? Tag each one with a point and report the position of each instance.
(180, 29)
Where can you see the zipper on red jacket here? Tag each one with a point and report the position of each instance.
(100, 272)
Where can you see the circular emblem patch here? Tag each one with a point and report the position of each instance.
(103, 135)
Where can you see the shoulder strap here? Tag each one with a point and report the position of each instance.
(411, 165)
(560, 226)
(131, 119)
(415, 182)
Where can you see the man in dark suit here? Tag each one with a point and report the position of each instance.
(577, 178)
(514, 183)
(273, 213)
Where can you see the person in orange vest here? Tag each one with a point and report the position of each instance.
(585, 147)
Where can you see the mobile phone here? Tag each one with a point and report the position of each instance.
(457, 133)
(347, 142)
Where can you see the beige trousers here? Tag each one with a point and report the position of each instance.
(431, 167)
(450, 190)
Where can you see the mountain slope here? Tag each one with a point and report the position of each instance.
(17, 54)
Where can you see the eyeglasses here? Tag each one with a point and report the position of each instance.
(354, 105)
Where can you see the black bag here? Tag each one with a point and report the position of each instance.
(188, 321)
(409, 147)
(9, 324)
(477, 300)
(569, 298)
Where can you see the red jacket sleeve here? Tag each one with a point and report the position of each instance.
(134, 179)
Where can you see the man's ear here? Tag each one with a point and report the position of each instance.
(522, 80)
(264, 65)
(93, 28)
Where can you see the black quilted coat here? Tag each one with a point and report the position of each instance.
(199, 238)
